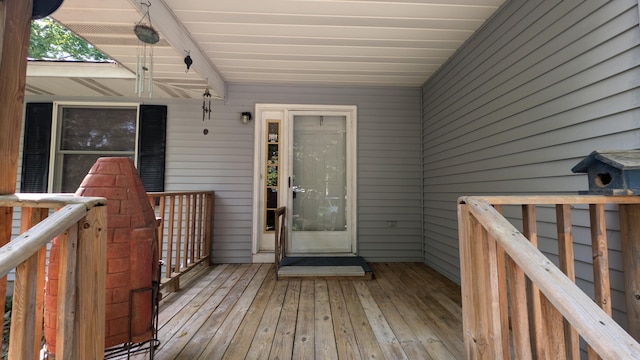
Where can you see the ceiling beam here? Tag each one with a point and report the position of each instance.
(102, 70)
(164, 20)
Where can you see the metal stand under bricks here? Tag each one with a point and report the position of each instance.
(130, 348)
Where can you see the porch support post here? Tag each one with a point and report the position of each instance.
(15, 27)
(630, 241)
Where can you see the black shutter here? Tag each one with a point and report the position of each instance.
(151, 146)
(35, 152)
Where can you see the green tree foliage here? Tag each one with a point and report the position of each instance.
(51, 41)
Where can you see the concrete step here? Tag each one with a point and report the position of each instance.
(317, 272)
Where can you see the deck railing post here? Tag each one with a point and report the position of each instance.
(23, 319)
(466, 288)
(29, 295)
(208, 245)
(630, 241)
(566, 259)
(501, 268)
(480, 299)
(67, 292)
(91, 280)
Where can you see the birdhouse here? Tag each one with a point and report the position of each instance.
(612, 172)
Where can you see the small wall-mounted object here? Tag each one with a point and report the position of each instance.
(611, 172)
(188, 60)
(246, 117)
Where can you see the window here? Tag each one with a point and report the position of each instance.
(83, 132)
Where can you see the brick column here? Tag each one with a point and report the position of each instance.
(132, 259)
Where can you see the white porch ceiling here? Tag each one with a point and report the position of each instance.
(318, 42)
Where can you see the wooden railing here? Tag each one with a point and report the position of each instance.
(515, 298)
(80, 225)
(185, 234)
(280, 235)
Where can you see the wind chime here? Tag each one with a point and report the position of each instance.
(206, 107)
(144, 66)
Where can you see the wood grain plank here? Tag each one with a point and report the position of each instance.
(174, 302)
(530, 231)
(23, 310)
(466, 289)
(178, 244)
(263, 339)
(387, 340)
(325, 348)
(566, 259)
(67, 287)
(170, 237)
(445, 291)
(242, 340)
(405, 335)
(179, 312)
(501, 283)
(431, 298)
(178, 332)
(6, 220)
(346, 343)
(519, 312)
(447, 327)
(593, 324)
(600, 255)
(30, 217)
(630, 239)
(554, 327)
(14, 48)
(201, 338)
(320, 325)
(282, 347)
(91, 282)
(423, 329)
(367, 342)
(217, 346)
(303, 345)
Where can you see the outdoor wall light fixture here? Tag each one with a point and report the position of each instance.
(246, 117)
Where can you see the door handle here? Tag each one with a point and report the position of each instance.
(294, 192)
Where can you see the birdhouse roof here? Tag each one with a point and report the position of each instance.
(620, 159)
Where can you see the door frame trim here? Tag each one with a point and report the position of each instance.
(266, 256)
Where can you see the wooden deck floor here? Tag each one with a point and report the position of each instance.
(241, 312)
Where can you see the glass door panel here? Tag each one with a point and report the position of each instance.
(319, 185)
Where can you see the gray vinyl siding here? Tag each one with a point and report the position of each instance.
(539, 87)
(389, 165)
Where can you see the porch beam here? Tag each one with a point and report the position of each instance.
(177, 35)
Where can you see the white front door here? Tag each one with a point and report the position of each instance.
(314, 171)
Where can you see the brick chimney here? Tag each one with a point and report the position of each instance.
(132, 259)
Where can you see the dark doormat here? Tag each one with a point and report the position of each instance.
(326, 261)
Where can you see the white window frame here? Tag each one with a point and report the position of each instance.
(55, 163)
